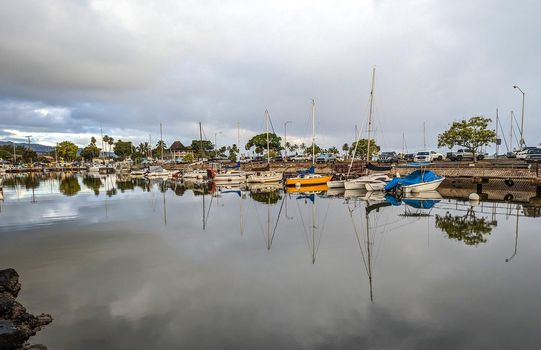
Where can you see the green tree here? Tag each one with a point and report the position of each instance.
(69, 186)
(466, 228)
(308, 150)
(67, 150)
(124, 149)
(91, 151)
(105, 142)
(472, 133)
(160, 149)
(233, 152)
(345, 148)
(202, 148)
(4, 154)
(260, 143)
(362, 148)
(111, 141)
(188, 158)
(333, 150)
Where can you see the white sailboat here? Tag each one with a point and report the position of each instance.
(372, 182)
(266, 176)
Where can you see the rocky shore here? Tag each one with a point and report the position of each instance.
(16, 324)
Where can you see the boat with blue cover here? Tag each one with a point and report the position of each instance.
(417, 181)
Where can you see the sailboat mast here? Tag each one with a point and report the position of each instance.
(314, 231)
(370, 113)
(200, 141)
(313, 132)
(497, 143)
(269, 242)
(267, 128)
(368, 251)
(161, 142)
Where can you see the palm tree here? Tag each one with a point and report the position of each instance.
(111, 141)
(303, 147)
(93, 140)
(105, 141)
(345, 148)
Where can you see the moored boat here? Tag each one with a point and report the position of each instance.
(360, 182)
(264, 177)
(417, 181)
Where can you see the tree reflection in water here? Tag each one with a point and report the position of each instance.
(69, 186)
(466, 228)
(266, 197)
(93, 183)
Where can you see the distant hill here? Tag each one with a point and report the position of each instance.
(38, 148)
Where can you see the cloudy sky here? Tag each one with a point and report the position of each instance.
(69, 68)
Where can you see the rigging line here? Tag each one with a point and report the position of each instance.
(358, 239)
(278, 219)
(503, 135)
(516, 122)
(323, 227)
(270, 122)
(259, 222)
(304, 228)
(208, 211)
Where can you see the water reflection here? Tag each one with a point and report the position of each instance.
(301, 269)
(467, 228)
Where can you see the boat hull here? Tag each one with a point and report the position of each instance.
(355, 185)
(276, 177)
(335, 184)
(423, 186)
(309, 181)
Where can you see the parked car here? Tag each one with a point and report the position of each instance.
(532, 155)
(325, 158)
(409, 157)
(465, 154)
(522, 153)
(299, 158)
(388, 157)
(428, 156)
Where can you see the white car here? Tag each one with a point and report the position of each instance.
(427, 156)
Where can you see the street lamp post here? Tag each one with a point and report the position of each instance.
(285, 138)
(522, 143)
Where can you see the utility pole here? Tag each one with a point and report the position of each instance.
(14, 154)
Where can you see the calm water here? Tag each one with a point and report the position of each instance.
(138, 265)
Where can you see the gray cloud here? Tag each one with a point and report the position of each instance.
(128, 66)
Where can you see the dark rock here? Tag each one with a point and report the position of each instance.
(17, 325)
(9, 282)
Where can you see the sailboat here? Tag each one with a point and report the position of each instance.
(268, 175)
(370, 182)
(309, 177)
